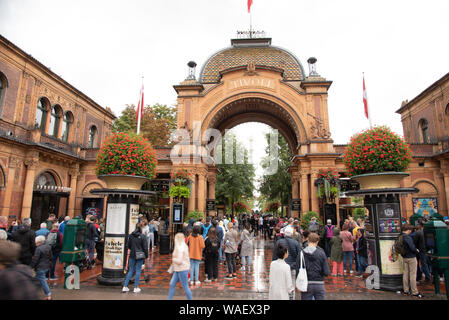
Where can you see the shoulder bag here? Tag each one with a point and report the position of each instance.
(301, 280)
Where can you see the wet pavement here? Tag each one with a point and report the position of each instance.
(249, 285)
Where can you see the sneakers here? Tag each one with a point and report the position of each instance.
(137, 290)
(125, 289)
(229, 277)
(191, 283)
(418, 295)
(207, 281)
(351, 271)
(242, 268)
(197, 283)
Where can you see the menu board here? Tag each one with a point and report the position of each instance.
(391, 263)
(389, 218)
(116, 218)
(133, 217)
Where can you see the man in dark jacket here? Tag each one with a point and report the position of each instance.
(418, 239)
(293, 247)
(317, 268)
(16, 280)
(91, 237)
(42, 263)
(362, 252)
(26, 238)
(410, 262)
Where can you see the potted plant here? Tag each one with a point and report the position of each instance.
(328, 184)
(180, 190)
(377, 157)
(126, 161)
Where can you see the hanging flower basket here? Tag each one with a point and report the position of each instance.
(328, 184)
(377, 157)
(126, 161)
(180, 190)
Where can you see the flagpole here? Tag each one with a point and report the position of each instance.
(140, 109)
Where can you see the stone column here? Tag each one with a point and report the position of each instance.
(212, 180)
(202, 192)
(74, 173)
(446, 187)
(315, 204)
(304, 193)
(442, 198)
(295, 193)
(31, 164)
(14, 164)
(191, 201)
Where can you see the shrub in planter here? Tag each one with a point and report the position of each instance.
(376, 150)
(126, 154)
(307, 217)
(196, 215)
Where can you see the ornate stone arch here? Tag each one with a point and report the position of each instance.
(426, 188)
(281, 112)
(93, 184)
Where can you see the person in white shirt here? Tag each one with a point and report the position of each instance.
(280, 283)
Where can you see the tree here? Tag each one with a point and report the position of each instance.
(278, 186)
(234, 181)
(157, 123)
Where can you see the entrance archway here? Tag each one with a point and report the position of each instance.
(253, 81)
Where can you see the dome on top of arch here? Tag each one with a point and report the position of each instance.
(252, 50)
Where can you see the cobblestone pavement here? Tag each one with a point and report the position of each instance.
(249, 285)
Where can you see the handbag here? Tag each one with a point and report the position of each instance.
(140, 255)
(170, 269)
(301, 280)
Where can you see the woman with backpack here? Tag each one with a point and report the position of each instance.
(247, 248)
(348, 248)
(196, 246)
(138, 252)
(211, 252)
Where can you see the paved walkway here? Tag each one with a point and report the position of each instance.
(251, 285)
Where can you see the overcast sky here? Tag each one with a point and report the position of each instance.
(104, 47)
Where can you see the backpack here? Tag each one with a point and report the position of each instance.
(214, 246)
(52, 238)
(329, 231)
(398, 246)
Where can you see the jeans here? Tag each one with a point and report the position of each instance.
(134, 265)
(179, 276)
(151, 240)
(53, 266)
(194, 269)
(40, 275)
(361, 264)
(315, 291)
(424, 266)
(347, 257)
(220, 252)
(90, 245)
(230, 259)
(244, 260)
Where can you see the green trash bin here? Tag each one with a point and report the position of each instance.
(73, 249)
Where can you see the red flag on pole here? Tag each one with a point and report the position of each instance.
(250, 2)
(139, 112)
(365, 100)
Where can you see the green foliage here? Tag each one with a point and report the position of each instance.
(307, 217)
(376, 150)
(234, 181)
(179, 192)
(358, 213)
(196, 215)
(277, 186)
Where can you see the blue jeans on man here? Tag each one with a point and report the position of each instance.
(180, 276)
(328, 247)
(41, 276)
(361, 264)
(425, 268)
(90, 244)
(53, 266)
(315, 291)
(134, 265)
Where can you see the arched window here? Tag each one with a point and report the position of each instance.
(55, 119)
(424, 128)
(45, 181)
(92, 137)
(65, 130)
(41, 114)
(3, 86)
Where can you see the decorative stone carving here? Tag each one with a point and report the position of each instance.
(317, 129)
(251, 69)
(15, 162)
(32, 164)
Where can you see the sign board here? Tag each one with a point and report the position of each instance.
(116, 218)
(114, 250)
(296, 204)
(133, 217)
(210, 205)
(177, 213)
